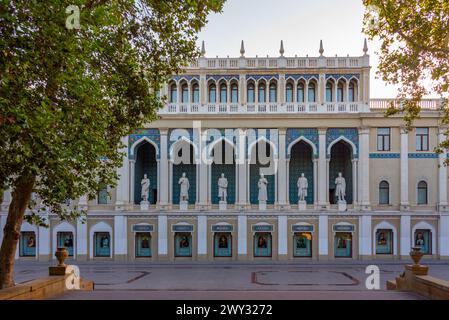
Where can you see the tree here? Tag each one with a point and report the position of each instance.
(75, 77)
(414, 51)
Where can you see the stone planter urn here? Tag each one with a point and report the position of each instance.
(61, 254)
(416, 254)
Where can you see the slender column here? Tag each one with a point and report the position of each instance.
(122, 190)
(282, 237)
(306, 92)
(322, 170)
(354, 182)
(132, 176)
(228, 93)
(242, 197)
(44, 241)
(120, 238)
(267, 93)
(442, 174)
(242, 237)
(6, 200)
(164, 201)
(315, 182)
(365, 238)
(162, 238)
(203, 185)
(364, 168)
(320, 92)
(405, 237)
(323, 237)
(282, 170)
(203, 90)
(404, 170)
(444, 237)
(202, 237)
(346, 97)
(294, 92)
(81, 240)
(242, 89)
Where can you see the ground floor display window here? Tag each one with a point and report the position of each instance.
(262, 244)
(343, 245)
(223, 244)
(183, 244)
(423, 240)
(302, 244)
(27, 245)
(65, 239)
(143, 244)
(384, 241)
(102, 242)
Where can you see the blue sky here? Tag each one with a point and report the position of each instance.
(262, 24)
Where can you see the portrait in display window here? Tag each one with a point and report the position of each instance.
(419, 240)
(184, 242)
(262, 242)
(31, 243)
(381, 239)
(301, 243)
(104, 242)
(145, 243)
(341, 243)
(223, 242)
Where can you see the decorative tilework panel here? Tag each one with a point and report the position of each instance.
(423, 155)
(384, 155)
(308, 133)
(151, 134)
(302, 76)
(349, 133)
(346, 76)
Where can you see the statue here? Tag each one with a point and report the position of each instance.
(222, 188)
(262, 184)
(302, 187)
(340, 187)
(184, 190)
(145, 193)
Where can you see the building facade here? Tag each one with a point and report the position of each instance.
(285, 117)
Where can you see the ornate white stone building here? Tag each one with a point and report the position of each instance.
(280, 116)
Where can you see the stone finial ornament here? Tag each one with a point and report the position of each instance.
(365, 47)
(242, 49)
(281, 50)
(203, 49)
(321, 48)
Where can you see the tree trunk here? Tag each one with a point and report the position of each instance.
(20, 199)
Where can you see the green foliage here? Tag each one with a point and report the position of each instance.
(414, 52)
(68, 96)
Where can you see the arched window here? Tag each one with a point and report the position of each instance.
(273, 92)
(351, 92)
(300, 92)
(196, 93)
(340, 94)
(422, 192)
(289, 93)
(250, 93)
(329, 92)
(234, 93)
(261, 92)
(212, 93)
(311, 92)
(384, 192)
(185, 93)
(223, 93)
(173, 93)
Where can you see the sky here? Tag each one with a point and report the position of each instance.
(301, 24)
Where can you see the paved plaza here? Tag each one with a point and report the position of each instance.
(309, 280)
